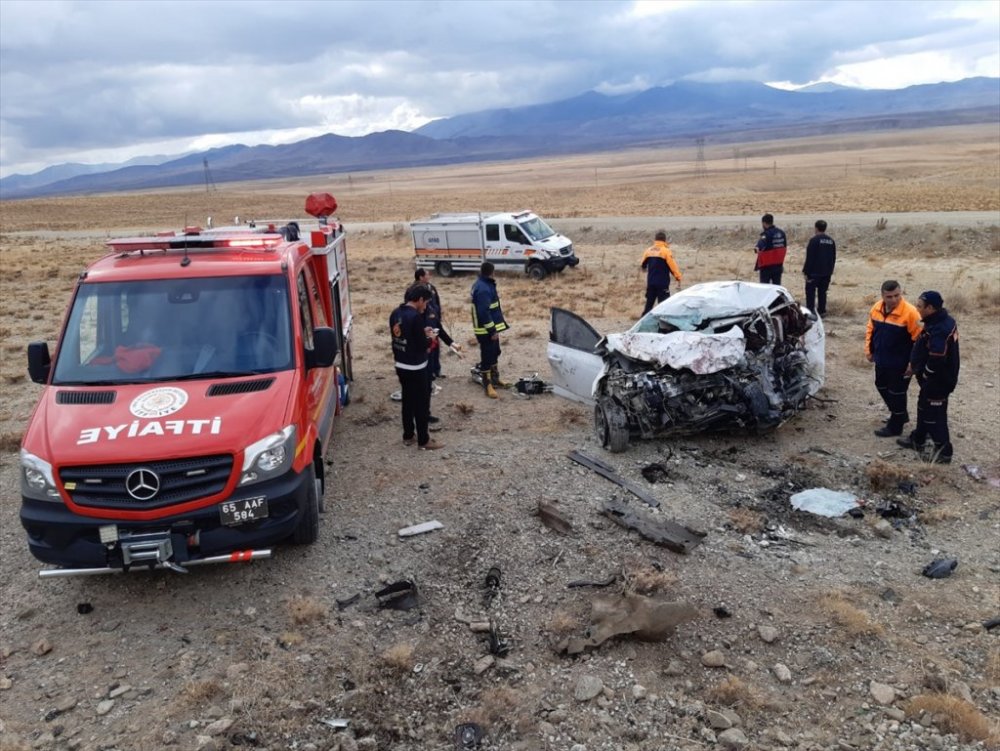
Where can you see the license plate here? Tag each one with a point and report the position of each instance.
(232, 513)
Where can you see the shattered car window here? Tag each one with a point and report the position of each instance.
(716, 356)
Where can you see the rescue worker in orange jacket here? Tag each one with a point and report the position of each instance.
(893, 326)
(659, 264)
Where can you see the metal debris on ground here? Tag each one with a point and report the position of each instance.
(335, 722)
(531, 385)
(655, 473)
(401, 595)
(642, 617)
(721, 612)
(468, 736)
(499, 645)
(992, 623)
(84, 607)
(588, 583)
(824, 502)
(606, 471)
(492, 585)
(664, 532)
(419, 529)
(348, 601)
(940, 568)
(554, 519)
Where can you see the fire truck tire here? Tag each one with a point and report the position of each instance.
(611, 425)
(537, 272)
(444, 269)
(307, 532)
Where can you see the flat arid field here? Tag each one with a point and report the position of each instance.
(807, 633)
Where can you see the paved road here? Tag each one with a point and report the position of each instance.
(569, 225)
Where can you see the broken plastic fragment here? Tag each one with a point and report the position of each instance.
(401, 595)
(824, 502)
(468, 736)
(940, 568)
(643, 617)
(419, 529)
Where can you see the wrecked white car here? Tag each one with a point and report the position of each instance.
(715, 356)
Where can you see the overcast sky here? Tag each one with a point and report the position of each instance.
(94, 81)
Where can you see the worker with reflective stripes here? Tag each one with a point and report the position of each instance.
(893, 326)
(659, 264)
(410, 341)
(935, 362)
(487, 323)
(771, 249)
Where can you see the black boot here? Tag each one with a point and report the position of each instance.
(910, 443)
(941, 454)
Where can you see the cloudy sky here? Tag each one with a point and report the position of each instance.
(95, 81)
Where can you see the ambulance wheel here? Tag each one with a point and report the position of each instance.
(611, 425)
(307, 531)
(444, 269)
(537, 272)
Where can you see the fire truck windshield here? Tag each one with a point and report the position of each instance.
(170, 329)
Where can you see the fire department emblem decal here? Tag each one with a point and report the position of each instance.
(158, 402)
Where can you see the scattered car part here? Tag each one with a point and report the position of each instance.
(588, 583)
(492, 585)
(722, 612)
(824, 502)
(715, 356)
(554, 519)
(347, 602)
(940, 568)
(992, 623)
(334, 722)
(670, 535)
(499, 645)
(468, 736)
(532, 385)
(84, 607)
(401, 595)
(419, 529)
(606, 471)
(655, 472)
(645, 618)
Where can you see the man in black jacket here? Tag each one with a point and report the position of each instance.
(821, 256)
(410, 340)
(935, 363)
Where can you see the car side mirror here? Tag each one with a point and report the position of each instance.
(39, 362)
(324, 349)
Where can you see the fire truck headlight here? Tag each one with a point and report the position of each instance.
(36, 478)
(268, 457)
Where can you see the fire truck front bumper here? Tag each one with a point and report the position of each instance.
(58, 536)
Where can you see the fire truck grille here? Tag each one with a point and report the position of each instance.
(85, 397)
(151, 485)
(239, 387)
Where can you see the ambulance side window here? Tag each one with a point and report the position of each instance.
(305, 312)
(493, 233)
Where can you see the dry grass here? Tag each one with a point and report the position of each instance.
(562, 622)
(496, 705)
(10, 440)
(746, 521)
(399, 657)
(464, 409)
(733, 692)
(939, 514)
(198, 692)
(853, 620)
(303, 609)
(570, 416)
(648, 581)
(954, 715)
(884, 475)
(291, 639)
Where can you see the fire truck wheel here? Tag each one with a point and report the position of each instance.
(308, 530)
(444, 268)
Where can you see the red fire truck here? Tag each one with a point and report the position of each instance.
(191, 399)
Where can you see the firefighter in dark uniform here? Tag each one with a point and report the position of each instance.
(821, 257)
(659, 264)
(410, 341)
(487, 323)
(771, 249)
(934, 363)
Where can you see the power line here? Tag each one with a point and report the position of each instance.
(209, 182)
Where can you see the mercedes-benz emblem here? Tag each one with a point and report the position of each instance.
(142, 484)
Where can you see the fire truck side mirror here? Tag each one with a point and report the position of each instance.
(324, 349)
(39, 362)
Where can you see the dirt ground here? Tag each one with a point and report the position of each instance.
(829, 640)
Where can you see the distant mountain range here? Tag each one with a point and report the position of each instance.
(721, 112)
